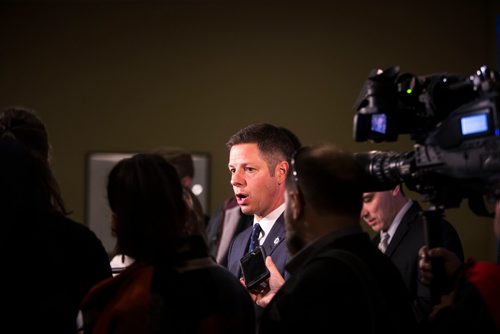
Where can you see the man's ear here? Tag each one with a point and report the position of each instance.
(281, 171)
(396, 190)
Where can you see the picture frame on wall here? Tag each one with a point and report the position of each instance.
(97, 212)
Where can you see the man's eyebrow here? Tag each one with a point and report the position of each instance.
(244, 164)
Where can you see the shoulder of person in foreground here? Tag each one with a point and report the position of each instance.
(207, 297)
(87, 250)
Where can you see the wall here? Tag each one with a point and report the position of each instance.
(133, 75)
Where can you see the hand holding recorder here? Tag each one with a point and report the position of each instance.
(263, 294)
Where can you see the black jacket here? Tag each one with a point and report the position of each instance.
(327, 293)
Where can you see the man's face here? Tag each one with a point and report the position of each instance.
(256, 190)
(378, 210)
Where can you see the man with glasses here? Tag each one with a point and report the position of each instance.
(338, 279)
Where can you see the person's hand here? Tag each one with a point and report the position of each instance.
(450, 261)
(452, 267)
(263, 297)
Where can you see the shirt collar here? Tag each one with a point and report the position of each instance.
(268, 221)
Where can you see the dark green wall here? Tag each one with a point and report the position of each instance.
(131, 75)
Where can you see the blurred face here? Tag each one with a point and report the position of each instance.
(256, 190)
(378, 210)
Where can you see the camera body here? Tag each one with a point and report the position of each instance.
(455, 124)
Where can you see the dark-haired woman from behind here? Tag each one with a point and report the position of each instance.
(173, 286)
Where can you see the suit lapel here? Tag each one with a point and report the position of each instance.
(276, 236)
(239, 248)
(403, 228)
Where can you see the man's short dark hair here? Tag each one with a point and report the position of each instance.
(275, 143)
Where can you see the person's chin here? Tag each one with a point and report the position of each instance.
(246, 210)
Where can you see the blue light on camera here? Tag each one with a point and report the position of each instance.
(379, 123)
(474, 124)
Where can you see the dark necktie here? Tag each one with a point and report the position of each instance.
(254, 237)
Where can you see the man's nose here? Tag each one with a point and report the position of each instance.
(237, 179)
(364, 213)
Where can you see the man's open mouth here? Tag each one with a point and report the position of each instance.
(241, 196)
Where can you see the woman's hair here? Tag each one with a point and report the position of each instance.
(28, 129)
(146, 197)
(22, 191)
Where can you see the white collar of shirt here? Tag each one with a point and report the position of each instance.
(268, 221)
(397, 220)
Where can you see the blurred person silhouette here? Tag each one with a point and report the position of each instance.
(52, 260)
(182, 160)
(400, 227)
(472, 301)
(226, 222)
(339, 281)
(229, 220)
(173, 286)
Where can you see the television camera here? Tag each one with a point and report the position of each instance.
(455, 124)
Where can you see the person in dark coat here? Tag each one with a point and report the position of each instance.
(399, 219)
(339, 281)
(50, 261)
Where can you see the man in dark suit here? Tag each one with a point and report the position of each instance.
(229, 220)
(259, 156)
(338, 281)
(399, 220)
